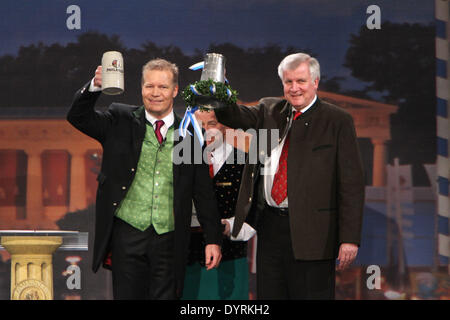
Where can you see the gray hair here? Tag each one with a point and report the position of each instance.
(161, 65)
(292, 61)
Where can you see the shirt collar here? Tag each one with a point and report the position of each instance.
(168, 120)
(221, 153)
(308, 106)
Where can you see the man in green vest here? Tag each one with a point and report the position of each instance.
(144, 199)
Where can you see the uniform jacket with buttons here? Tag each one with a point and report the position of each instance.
(121, 130)
(325, 174)
(226, 185)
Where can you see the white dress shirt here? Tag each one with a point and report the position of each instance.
(168, 122)
(93, 88)
(271, 166)
(220, 155)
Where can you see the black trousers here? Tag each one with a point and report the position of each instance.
(142, 263)
(281, 276)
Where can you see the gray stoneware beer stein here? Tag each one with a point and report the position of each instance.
(214, 67)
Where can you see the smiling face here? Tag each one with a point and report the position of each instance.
(158, 92)
(298, 86)
(214, 129)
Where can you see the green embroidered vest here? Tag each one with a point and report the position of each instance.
(149, 201)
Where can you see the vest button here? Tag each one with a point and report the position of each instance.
(115, 204)
(123, 188)
(132, 169)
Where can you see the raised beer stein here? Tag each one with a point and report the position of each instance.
(213, 90)
(112, 73)
(214, 67)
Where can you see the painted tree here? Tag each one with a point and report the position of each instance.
(397, 63)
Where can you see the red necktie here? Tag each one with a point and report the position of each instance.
(211, 167)
(159, 124)
(279, 187)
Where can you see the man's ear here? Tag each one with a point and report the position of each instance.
(316, 83)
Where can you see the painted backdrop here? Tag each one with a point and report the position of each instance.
(384, 61)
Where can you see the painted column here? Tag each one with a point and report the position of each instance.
(34, 204)
(77, 180)
(379, 162)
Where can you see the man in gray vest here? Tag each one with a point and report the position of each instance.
(144, 199)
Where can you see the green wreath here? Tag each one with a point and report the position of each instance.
(205, 91)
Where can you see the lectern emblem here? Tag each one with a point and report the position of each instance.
(31, 290)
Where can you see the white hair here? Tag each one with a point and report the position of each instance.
(292, 61)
